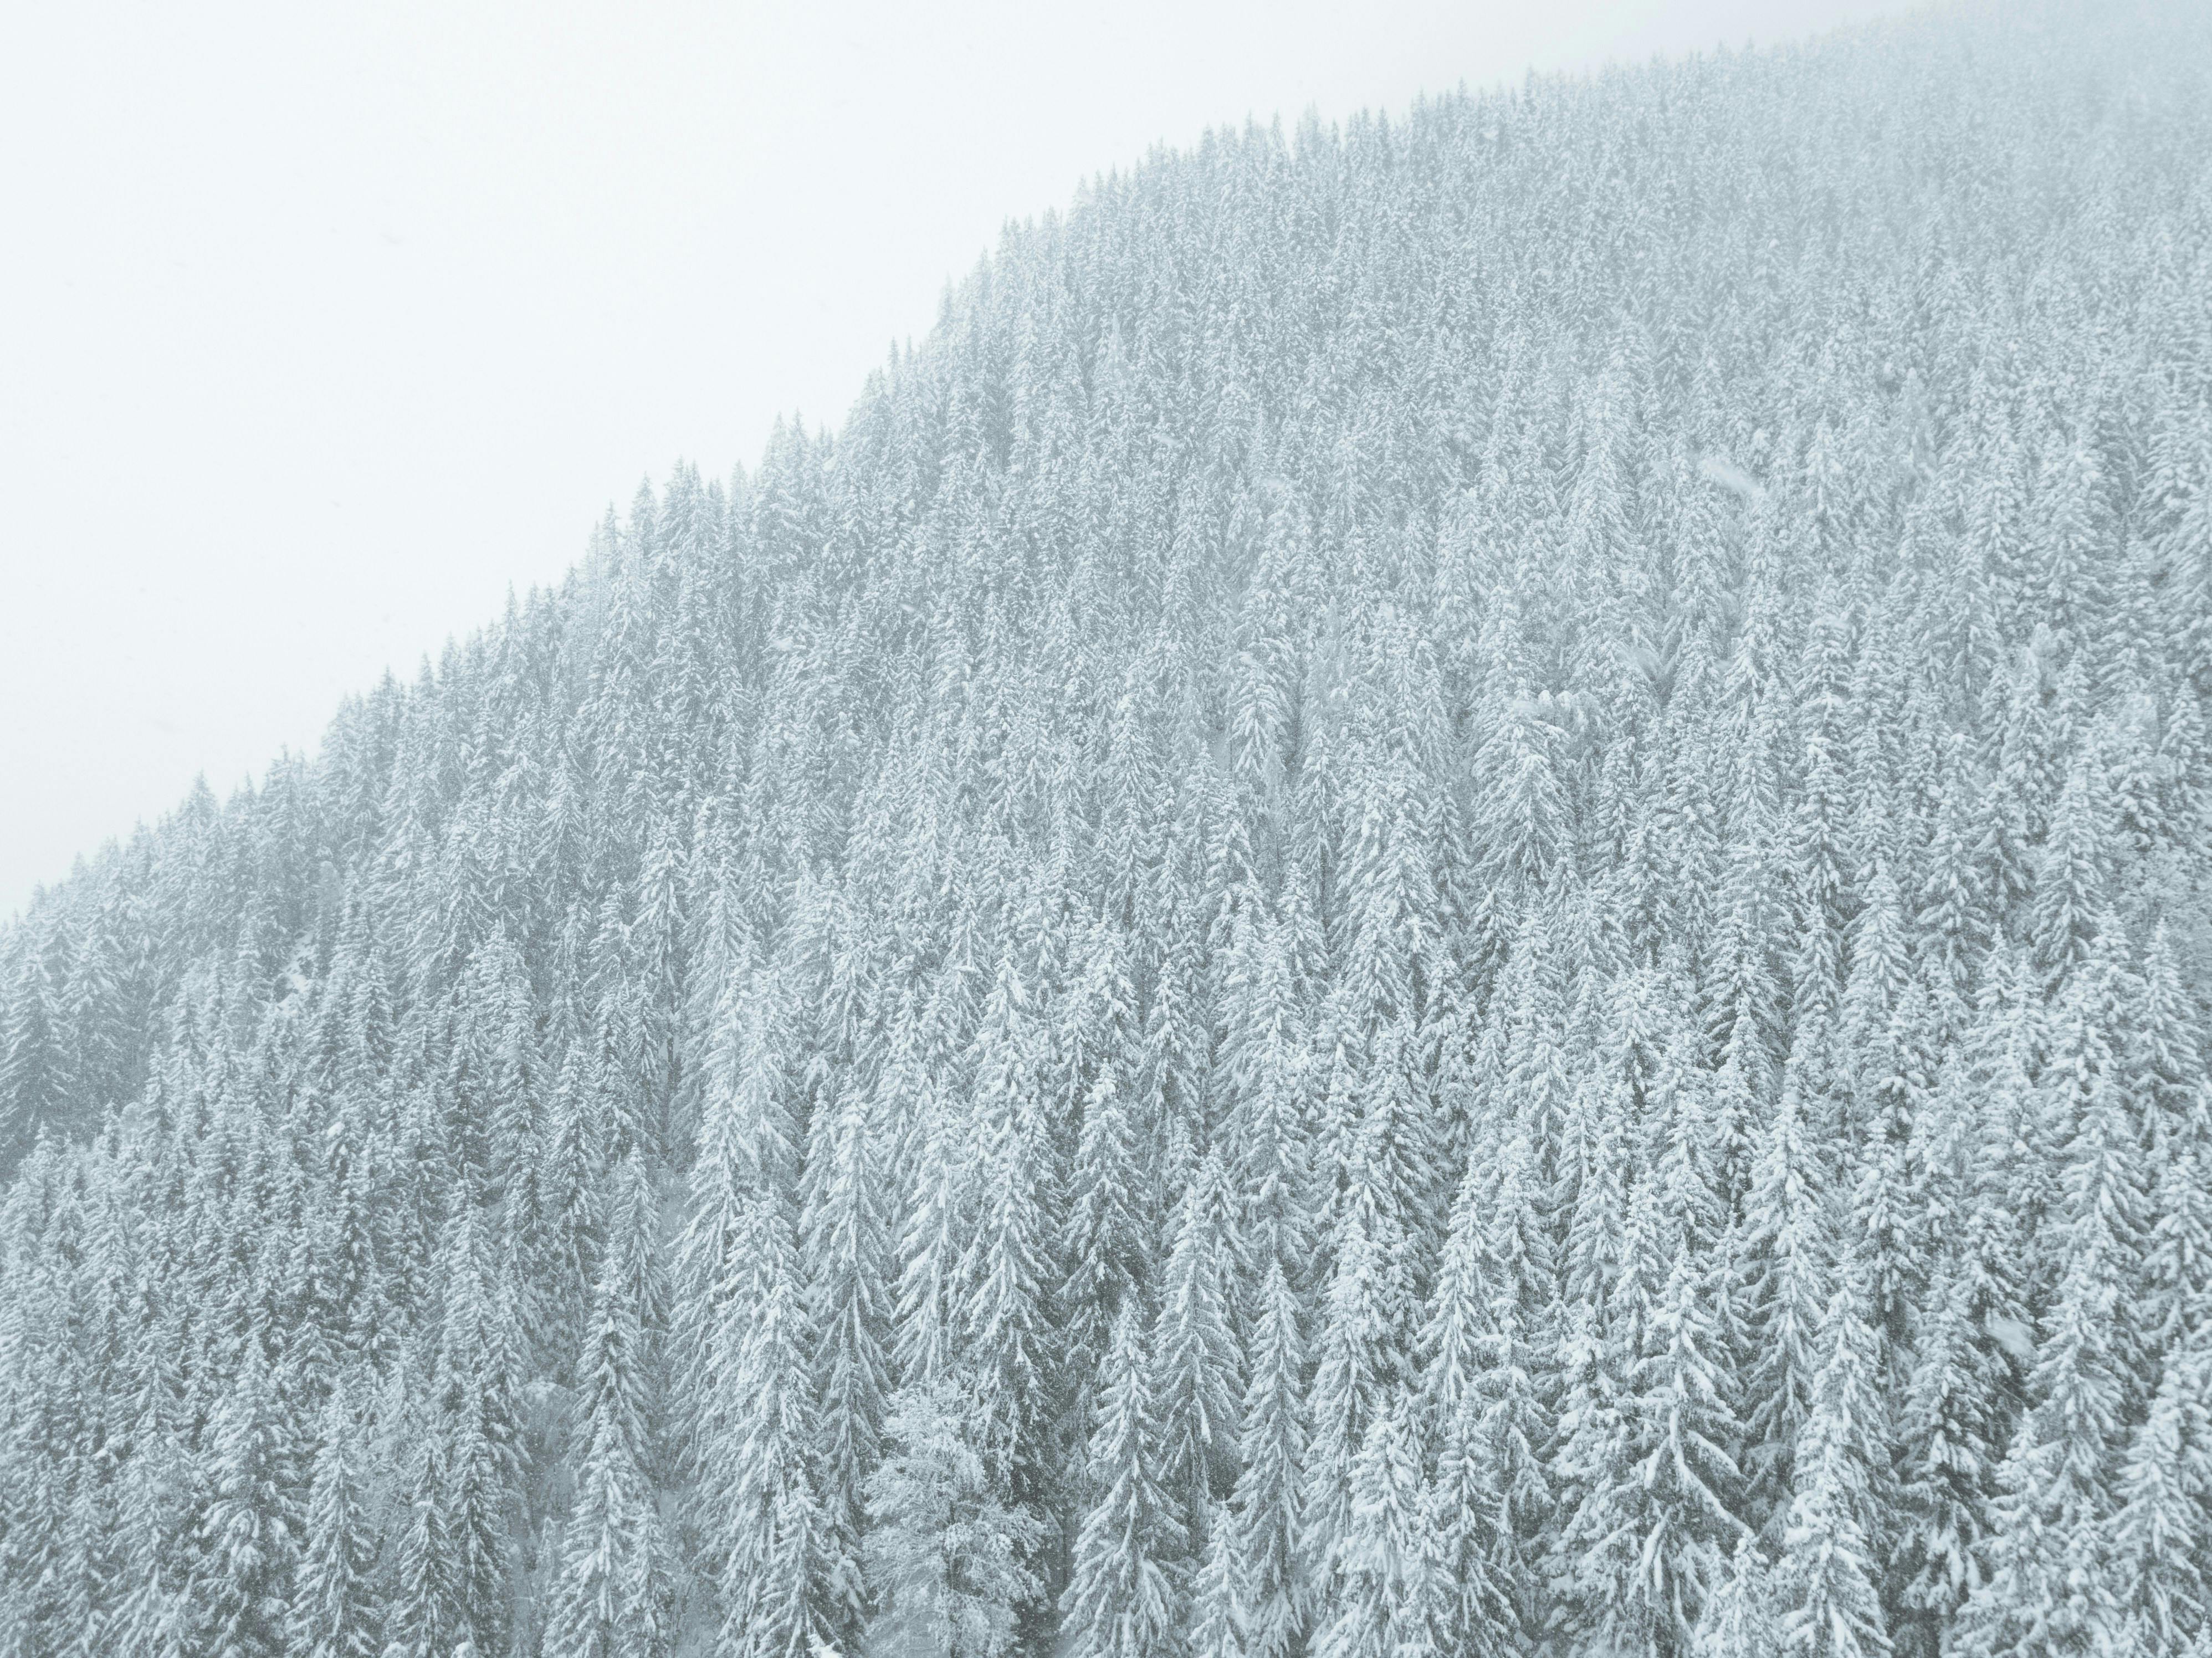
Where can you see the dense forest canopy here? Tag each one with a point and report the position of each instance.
(1446, 894)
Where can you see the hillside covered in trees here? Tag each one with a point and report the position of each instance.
(1447, 894)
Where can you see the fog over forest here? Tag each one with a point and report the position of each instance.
(1449, 894)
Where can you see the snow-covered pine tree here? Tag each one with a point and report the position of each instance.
(1121, 1602)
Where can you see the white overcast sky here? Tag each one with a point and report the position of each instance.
(322, 323)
